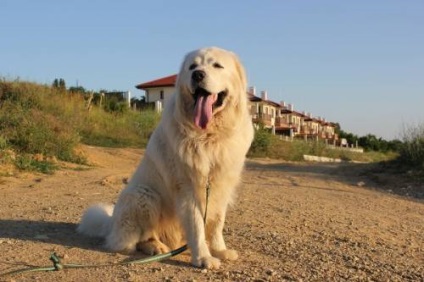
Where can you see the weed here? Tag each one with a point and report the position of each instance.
(3, 143)
(412, 148)
(27, 162)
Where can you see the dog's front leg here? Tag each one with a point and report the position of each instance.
(216, 238)
(190, 212)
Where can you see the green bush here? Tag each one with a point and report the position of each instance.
(261, 142)
(33, 131)
(26, 162)
(412, 149)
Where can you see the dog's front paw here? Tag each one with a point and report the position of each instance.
(209, 262)
(226, 254)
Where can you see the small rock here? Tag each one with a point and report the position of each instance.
(270, 272)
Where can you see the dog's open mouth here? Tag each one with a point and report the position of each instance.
(205, 103)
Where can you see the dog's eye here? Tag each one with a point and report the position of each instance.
(192, 66)
(218, 66)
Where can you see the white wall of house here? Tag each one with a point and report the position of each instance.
(154, 94)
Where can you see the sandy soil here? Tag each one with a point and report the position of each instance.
(291, 222)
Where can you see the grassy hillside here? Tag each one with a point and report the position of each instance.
(39, 124)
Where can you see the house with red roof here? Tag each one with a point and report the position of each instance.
(158, 89)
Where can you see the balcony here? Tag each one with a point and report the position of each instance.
(263, 118)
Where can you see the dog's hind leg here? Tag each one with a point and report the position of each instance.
(152, 246)
(135, 221)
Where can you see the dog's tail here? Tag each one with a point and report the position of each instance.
(96, 221)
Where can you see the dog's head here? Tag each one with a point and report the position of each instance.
(210, 83)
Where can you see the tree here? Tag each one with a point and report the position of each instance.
(55, 83)
(370, 142)
(59, 84)
(62, 84)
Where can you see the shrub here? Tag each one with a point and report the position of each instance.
(412, 150)
(261, 142)
(35, 132)
(27, 162)
(34, 119)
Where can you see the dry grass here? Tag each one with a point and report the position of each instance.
(45, 121)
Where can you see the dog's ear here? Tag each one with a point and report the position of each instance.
(241, 72)
(178, 82)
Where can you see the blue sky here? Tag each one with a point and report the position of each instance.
(359, 63)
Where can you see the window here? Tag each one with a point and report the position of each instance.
(161, 94)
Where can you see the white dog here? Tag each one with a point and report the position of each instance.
(204, 134)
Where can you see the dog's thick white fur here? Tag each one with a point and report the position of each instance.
(204, 133)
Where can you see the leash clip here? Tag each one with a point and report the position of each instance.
(56, 262)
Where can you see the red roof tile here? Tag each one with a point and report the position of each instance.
(253, 98)
(161, 82)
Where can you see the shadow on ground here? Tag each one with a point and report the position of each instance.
(63, 234)
(375, 176)
(59, 233)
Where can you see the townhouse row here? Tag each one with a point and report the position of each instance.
(280, 118)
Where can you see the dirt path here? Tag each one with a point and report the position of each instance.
(291, 222)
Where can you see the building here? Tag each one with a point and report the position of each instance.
(158, 89)
(280, 118)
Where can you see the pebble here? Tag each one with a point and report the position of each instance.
(270, 272)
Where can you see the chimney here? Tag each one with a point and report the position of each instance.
(264, 95)
(291, 107)
(127, 96)
(283, 104)
(252, 90)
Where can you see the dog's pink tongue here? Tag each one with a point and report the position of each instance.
(203, 110)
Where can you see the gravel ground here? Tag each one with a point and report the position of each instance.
(291, 222)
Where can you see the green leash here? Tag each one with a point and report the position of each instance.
(57, 265)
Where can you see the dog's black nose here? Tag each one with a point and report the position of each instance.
(198, 75)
